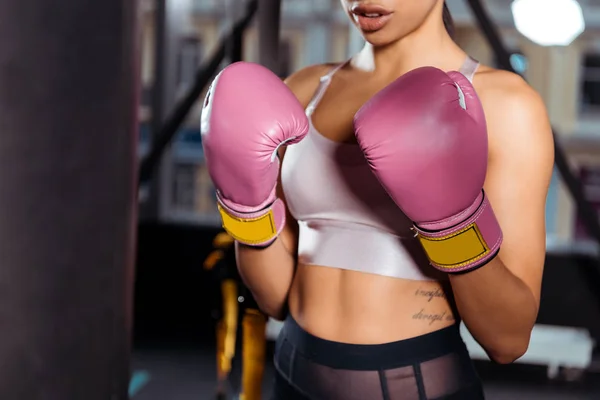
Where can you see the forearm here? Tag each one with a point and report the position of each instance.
(268, 273)
(498, 308)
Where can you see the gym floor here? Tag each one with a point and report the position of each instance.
(189, 374)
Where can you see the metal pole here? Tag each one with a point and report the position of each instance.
(269, 22)
(150, 202)
(68, 121)
(235, 44)
(172, 21)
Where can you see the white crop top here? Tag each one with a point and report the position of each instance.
(346, 218)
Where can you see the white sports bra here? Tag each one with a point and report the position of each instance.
(346, 218)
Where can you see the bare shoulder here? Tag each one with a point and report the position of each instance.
(515, 112)
(304, 82)
(503, 92)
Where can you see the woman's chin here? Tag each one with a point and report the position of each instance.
(377, 39)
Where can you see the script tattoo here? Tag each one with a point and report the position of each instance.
(430, 294)
(433, 317)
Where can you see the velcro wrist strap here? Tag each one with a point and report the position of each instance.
(466, 246)
(254, 229)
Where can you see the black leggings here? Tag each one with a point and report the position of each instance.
(434, 366)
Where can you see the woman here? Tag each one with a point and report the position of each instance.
(366, 314)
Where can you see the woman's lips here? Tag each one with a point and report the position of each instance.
(371, 24)
(370, 17)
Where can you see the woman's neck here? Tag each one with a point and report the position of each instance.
(424, 47)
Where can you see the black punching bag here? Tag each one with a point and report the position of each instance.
(68, 105)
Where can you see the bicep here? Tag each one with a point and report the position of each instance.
(519, 173)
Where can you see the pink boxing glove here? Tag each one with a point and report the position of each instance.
(248, 113)
(425, 139)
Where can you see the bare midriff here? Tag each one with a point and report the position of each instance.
(360, 308)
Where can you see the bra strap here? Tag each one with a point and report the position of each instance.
(324, 82)
(469, 68)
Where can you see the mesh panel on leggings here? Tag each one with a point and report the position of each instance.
(322, 382)
(444, 376)
(401, 383)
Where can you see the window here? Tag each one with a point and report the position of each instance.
(183, 186)
(591, 81)
(190, 56)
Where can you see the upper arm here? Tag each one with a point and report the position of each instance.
(521, 159)
(303, 84)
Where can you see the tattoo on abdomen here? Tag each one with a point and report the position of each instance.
(433, 317)
(430, 294)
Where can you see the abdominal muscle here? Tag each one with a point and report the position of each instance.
(359, 308)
